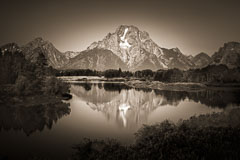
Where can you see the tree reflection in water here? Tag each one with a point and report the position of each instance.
(32, 119)
(219, 98)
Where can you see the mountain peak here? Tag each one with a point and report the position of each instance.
(38, 40)
(38, 46)
(176, 49)
(10, 47)
(229, 55)
(138, 51)
(123, 26)
(231, 45)
(201, 60)
(202, 54)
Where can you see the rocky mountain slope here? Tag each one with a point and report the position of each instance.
(71, 54)
(54, 57)
(96, 59)
(138, 51)
(201, 60)
(229, 55)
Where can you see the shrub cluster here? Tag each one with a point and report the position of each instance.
(189, 139)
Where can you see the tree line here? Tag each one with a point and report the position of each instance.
(20, 77)
(209, 74)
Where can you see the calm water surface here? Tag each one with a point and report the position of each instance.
(100, 110)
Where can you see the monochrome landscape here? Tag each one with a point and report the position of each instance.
(124, 95)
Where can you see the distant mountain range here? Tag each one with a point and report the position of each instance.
(127, 48)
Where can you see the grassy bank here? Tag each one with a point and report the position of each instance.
(165, 86)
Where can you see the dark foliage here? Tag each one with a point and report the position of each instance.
(212, 74)
(209, 74)
(27, 78)
(112, 73)
(170, 141)
(11, 66)
(202, 137)
(79, 72)
(115, 86)
(144, 73)
(100, 149)
(54, 86)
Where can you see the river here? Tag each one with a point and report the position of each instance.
(101, 110)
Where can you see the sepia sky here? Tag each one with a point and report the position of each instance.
(191, 25)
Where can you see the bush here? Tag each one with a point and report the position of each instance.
(55, 86)
(21, 86)
(166, 140)
(100, 149)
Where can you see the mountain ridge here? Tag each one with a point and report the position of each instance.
(201, 60)
(130, 44)
(229, 55)
(131, 49)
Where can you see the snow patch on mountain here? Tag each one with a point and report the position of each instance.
(124, 42)
(163, 65)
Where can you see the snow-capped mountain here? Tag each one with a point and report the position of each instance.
(138, 51)
(229, 55)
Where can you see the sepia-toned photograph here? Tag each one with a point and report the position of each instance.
(120, 80)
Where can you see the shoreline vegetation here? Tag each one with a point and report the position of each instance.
(211, 136)
(179, 86)
(140, 83)
(212, 76)
(24, 83)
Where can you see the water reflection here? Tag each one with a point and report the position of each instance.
(219, 98)
(31, 119)
(130, 108)
(123, 108)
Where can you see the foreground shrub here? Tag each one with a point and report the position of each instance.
(55, 86)
(190, 139)
(169, 141)
(100, 149)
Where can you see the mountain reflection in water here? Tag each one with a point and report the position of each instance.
(131, 108)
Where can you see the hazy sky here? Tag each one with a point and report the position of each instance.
(191, 25)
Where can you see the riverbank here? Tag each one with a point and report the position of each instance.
(76, 79)
(165, 86)
(181, 86)
(141, 83)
